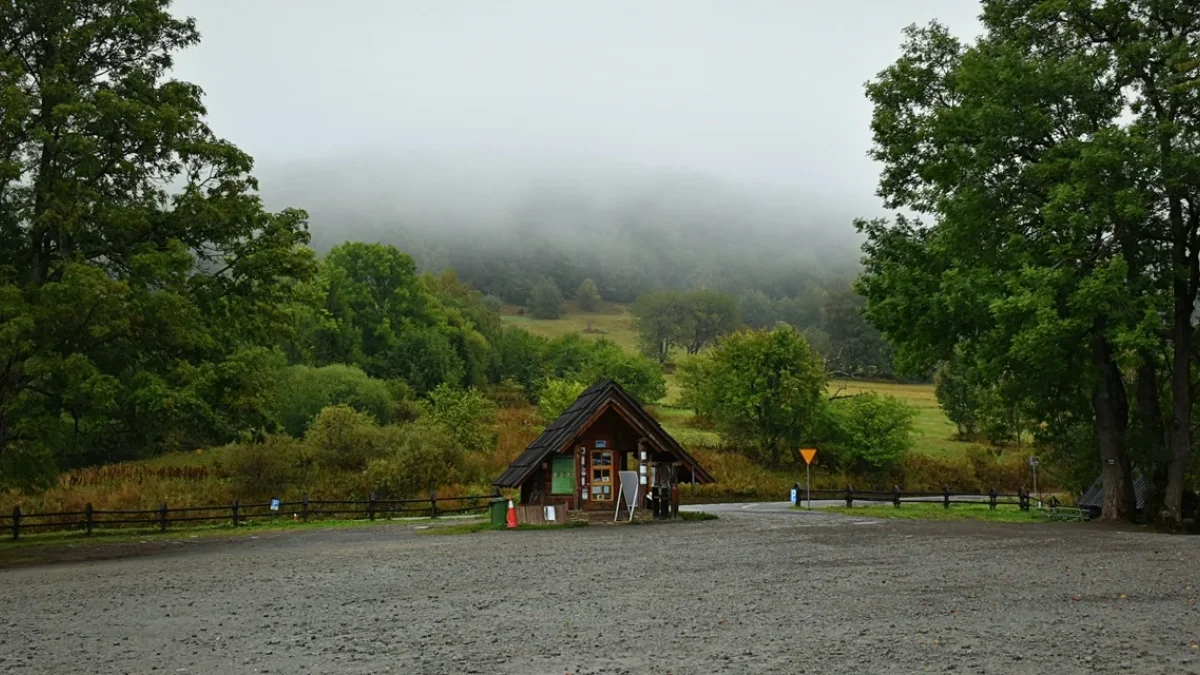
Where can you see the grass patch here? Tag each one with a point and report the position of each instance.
(935, 511)
(190, 532)
(697, 516)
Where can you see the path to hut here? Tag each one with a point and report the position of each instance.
(762, 590)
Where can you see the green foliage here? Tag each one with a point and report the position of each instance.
(557, 396)
(421, 457)
(707, 316)
(465, 414)
(567, 356)
(303, 391)
(133, 319)
(344, 439)
(640, 377)
(266, 469)
(756, 309)
(693, 320)
(658, 318)
(588, 296)
(762, 390)
(856, 347)
(545, 300)
(1056, 160)
(869, 432)
(520, 358)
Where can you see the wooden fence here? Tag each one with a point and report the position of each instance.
(90, 519)
(896, 497)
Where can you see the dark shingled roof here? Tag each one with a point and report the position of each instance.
(1094, 497)
(571, 423)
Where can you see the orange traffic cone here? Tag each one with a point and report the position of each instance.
(512, 516)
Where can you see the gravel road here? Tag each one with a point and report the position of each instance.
(758, 591)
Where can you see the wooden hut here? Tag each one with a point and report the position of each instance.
(577, 460)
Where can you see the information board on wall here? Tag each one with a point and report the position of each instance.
(562, 476)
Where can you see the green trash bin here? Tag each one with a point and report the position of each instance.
(498, 509)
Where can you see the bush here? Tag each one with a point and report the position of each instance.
(423, 456)
(869, 432)
(345, 439)
(465, 414)
(557, 396)
(638, 375)
(264, 470)
(303, 391)
(545, 300)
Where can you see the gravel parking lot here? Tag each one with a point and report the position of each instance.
(750, 593)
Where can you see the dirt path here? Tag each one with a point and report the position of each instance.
(761, 593)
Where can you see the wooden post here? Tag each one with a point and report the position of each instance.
(305, 508)
(433, 512)
(849, 496)
(1022, 499)
(946, 496)
(992, 499)
(896, 496)
(371, 506)
(88, 518)
(674, 500)
(162, 518)
(16, 524)
(234, 508)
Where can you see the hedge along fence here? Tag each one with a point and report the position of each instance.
(236, 513)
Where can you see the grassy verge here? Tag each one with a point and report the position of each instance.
(697, 516)
(935, 511)
(75, 538)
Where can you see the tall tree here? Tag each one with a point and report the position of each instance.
(140, 278)
(545, 300)
(1057, 158)
(708, 315)
(658, 319)
(588, 296)
(761, 389)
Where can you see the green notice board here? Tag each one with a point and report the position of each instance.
(562, 476)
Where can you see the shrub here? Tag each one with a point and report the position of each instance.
(557, 396)
(869, 432)
(345, 439)
(465, 414)
(423, 456)
(303, 391)
(266, 469)
(638, 375)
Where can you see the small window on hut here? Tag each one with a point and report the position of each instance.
(562, 476)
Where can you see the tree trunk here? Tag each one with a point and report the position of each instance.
(1183, 262)
(1150, 414)
(1111, 409)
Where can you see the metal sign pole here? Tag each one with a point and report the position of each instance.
(808, 483)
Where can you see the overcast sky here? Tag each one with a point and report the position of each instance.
(766, 93)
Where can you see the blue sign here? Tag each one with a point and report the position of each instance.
(795, 496)
(601, 444)
(274, 504)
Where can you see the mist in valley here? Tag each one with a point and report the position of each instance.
(644, 144)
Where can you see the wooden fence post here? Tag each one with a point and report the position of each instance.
(16, 525)
(433, 512)
(88, 518)
(306, 508)
(1022, 499)
(946, 496)
(234, 509)
(162, 518)
(849, 496)
(992, 499)
(896, 496)
(371, 506)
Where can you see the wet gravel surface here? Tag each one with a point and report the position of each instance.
(750, 593)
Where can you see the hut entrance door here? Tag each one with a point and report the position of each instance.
(603, 478)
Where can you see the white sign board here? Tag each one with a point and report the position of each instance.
(629, 492)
